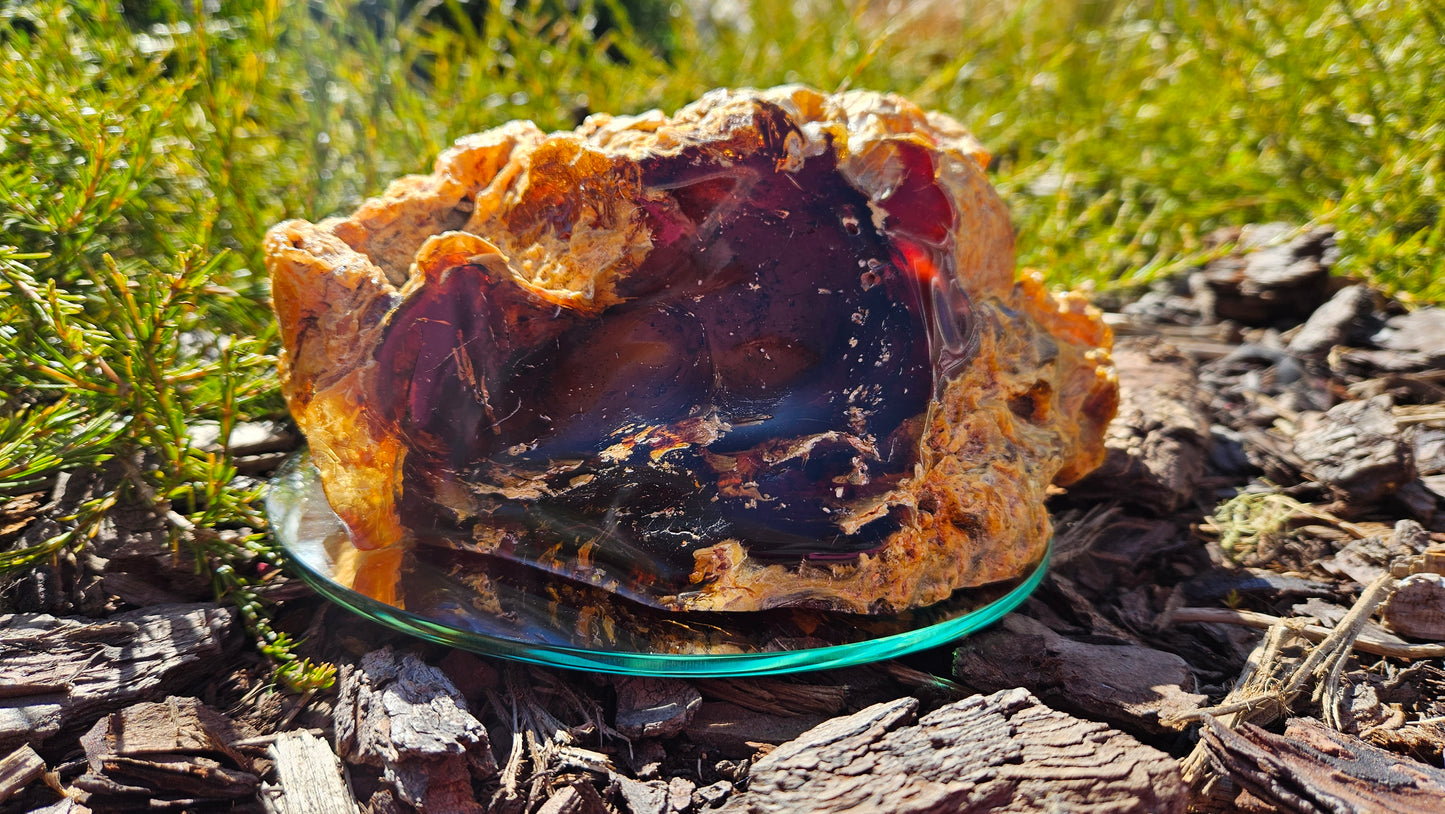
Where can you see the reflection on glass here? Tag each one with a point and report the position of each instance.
(489, 605)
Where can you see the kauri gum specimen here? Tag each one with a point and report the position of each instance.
(767, 352)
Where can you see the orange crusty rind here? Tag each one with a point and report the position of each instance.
(1028, 410)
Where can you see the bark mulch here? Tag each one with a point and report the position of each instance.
(1245, 612)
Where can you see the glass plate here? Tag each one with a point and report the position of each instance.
(498, 608)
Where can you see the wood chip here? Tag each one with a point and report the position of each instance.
(1417, 608)
(577, 798)
(642, 797)
(405, 716)
(737, 732)
(172, 754)
(309, 778)
(1364, 560)
(567, 801)
(174, 726)
(1421, 331)
(18, 769)
(650, 707)
(1333, 323)
(65, 805)
(1275, 275)
(142, 568)
(1157, 447)
(1312, 768)
(1125, 684)
(679, 794)
(59, 674)
(776, 696)
(713, 795)
(1003, 752)
(1357, 449)
(188, 777)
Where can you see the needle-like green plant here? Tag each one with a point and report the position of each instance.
(145, 149)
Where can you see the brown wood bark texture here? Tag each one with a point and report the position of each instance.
(309, 778)
(1157, 448)
(405, 716)
(17, 770)
(1124, 684)
(1312, 769)
(1004, 752)
(57, 675)
(171, 754)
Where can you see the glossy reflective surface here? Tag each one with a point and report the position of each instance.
(765, 379)
(484, 604)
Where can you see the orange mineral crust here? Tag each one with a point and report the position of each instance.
(768, 352)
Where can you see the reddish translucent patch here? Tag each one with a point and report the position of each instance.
(765, 379)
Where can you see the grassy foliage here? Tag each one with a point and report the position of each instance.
(143, 157)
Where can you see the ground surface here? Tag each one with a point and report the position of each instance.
(1267, 652)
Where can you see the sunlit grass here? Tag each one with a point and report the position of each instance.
(142, 158)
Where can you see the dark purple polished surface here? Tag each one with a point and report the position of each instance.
(767, 376)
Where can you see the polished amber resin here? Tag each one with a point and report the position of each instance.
(767, 353)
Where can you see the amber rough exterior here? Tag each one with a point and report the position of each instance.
(1027, 411)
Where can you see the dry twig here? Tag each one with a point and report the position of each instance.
(1365, 643)
(1268, 687)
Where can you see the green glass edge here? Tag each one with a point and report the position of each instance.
(682, 665)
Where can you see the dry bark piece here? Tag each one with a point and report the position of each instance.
(770, 351)
(1266, 585)
(1272, 277)
(1335, 322)
(566, 801)
(173, 726)
(649, 707)
(679, 794)
(1418, 332)
(576, 797)
(1254, 386)
(1417, 608)
(1157, 447)
(738, 732)
(1425, 743)
(777, 696)
(1127, 685)
(309, 778)
(1427, 436)
(1357, 449)
(1406, 375)
(1168, 305)
(1414, 700)
(676, 795)
(58, 674)
(405, 716)
(1101, 547)
(1312, 768)
(1365, 559)
(383, 801)
(642, 797)
(1003, 752)
(18, 769)
(174, 753)
(177, 777)
(712, 795)
(139, 566)
(65, 805)
(470, 673)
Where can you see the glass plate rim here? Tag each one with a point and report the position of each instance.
(640, 663)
